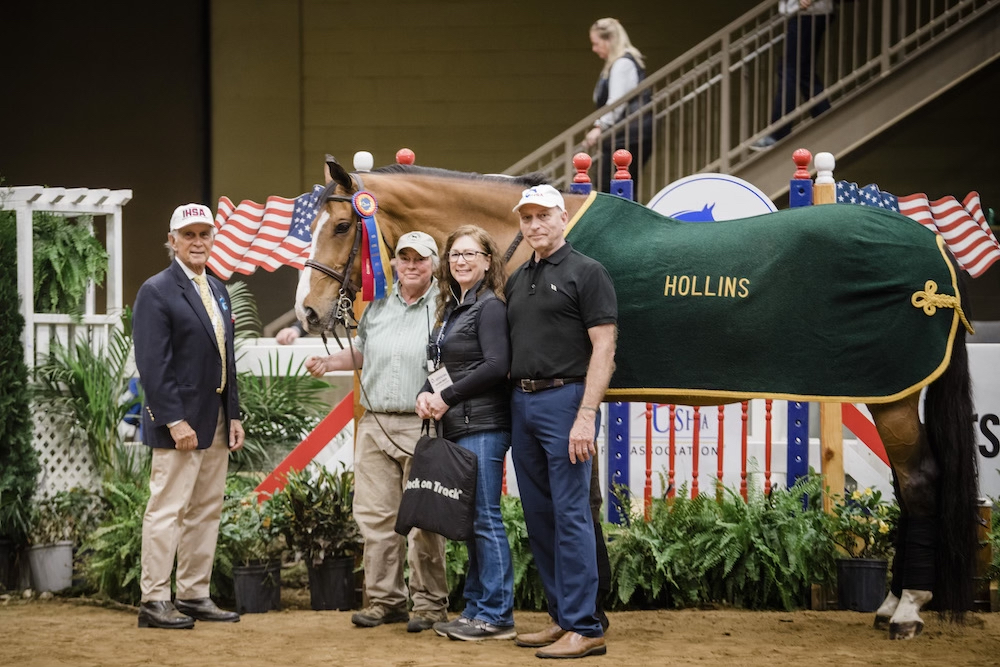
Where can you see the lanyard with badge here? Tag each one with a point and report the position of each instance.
(438, 374)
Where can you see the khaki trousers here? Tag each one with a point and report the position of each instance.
(380, 472)
(186, 490)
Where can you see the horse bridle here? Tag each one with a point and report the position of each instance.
(348, 290)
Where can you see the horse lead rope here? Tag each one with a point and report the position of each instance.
(512, 247)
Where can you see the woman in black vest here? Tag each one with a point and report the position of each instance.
(468, 392)
(624, 69)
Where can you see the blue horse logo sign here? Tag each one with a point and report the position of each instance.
(710, 198)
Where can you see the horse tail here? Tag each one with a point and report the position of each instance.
(948, 411)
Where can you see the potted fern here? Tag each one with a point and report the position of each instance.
(314, 509)
(67, 259)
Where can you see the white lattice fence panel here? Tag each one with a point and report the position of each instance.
(62, 454)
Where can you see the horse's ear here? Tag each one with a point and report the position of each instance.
(334, 172)
(326, 168)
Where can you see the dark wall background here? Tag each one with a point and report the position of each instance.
(113, 97)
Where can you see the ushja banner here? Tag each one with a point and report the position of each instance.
(266, 235)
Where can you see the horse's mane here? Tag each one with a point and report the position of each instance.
(525, 180)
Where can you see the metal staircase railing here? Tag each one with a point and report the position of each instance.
(712, 103)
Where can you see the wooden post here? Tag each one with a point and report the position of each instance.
(831, 418)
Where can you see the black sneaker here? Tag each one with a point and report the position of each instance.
(476, 630)
(425, 620)
(443, 628)
(376, 614)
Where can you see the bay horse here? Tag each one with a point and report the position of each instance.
(933, 463)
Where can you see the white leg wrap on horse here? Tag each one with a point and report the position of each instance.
(885, 611)
(906, 622)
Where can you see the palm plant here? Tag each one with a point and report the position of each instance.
(245, 316)
(88, 385)
(279, 408)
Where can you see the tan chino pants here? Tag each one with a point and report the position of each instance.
(186, 490)
(380, 471)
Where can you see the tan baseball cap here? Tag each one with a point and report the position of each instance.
(419, 241)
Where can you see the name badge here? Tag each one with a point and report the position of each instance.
(440, 380)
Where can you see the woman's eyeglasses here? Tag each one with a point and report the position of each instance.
(467, 255)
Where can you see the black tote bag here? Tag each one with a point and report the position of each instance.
(440, 494)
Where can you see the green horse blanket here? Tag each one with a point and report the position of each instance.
(827, 303)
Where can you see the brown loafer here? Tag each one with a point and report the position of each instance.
(541, 638)
(573, 645)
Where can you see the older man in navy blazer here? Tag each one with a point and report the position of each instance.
(183, 330)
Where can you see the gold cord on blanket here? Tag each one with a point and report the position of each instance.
(929, 299)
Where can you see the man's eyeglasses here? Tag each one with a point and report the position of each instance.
(467, 255)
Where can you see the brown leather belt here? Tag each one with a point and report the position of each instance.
(531, 386)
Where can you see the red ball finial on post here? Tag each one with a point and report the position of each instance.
(581, 162)
(801, 157)
(405, 156)
(622, 159)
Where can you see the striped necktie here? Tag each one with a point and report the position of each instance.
(220, 335)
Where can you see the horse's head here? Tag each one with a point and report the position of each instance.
(331, 275)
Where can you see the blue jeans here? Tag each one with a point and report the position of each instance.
(556, 498)
(489, 582)
(797, 69)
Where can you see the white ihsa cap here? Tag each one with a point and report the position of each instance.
(190, 214)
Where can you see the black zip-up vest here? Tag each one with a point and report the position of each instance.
(460, 354)
(601, 90)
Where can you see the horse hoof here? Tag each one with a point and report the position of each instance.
(882, 622)
(907, 630)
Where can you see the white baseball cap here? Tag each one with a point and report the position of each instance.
(419, 241)
(542, 195)
(191, 214)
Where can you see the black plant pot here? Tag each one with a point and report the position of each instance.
(258, 587)
(331, 584)
(6, 564)
(861, 583)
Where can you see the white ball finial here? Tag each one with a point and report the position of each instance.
(363, 161)
(824, 167)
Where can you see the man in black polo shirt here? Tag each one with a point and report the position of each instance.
(562, 313)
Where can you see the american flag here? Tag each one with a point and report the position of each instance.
(268, 235)
(962, 225)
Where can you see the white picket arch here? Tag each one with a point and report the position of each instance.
(65, 463)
